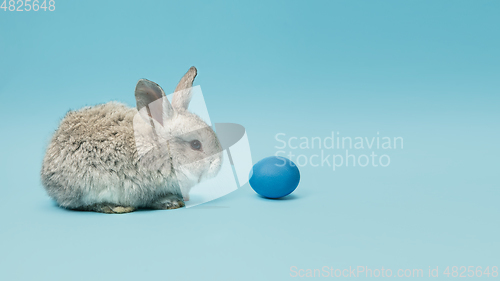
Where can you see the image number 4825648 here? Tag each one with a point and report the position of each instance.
(28, 5)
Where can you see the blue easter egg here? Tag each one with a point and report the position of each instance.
(274, 177)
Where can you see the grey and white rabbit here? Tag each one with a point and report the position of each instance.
(114, 159)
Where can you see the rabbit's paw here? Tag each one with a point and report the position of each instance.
(122, 210)
(169, 203)
(109, 209)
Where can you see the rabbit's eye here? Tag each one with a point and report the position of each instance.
(195, 144)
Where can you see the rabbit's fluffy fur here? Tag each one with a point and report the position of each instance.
(92, 162)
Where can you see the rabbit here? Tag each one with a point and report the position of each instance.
(111, 158)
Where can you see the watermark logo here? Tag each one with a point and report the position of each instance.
(178, 139)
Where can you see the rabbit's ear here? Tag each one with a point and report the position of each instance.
(182, 93)
(146, 93)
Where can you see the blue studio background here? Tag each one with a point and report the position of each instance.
(427, 71)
